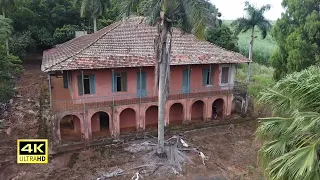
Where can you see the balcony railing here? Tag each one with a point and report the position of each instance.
(126, 99)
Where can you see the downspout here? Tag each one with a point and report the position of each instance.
(140, 95)
(210, 75)
(140, 88)
(82, 82)
(49, 79)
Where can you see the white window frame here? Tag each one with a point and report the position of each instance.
(230, 74)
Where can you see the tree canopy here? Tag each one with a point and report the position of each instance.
(297, 34)
(291, 148)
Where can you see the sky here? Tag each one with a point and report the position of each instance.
(232, 9)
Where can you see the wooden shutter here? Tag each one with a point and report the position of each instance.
(113, 81)
(65, 79)
(80, 85)
(138, 83)
(212, 76)
(184, 81)
(124, 81)
(144, 80)
(92, 81)
(204, 76)
(225, 75)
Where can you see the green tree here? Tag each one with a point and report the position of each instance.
(5, 27)
(93, 8)
(10, 65)
(255, 19)
(190, 16)
(291, 143)
(297, 34)
(64, 34)
(223, 37)
(5, 5)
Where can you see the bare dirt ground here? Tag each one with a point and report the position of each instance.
(232, 150)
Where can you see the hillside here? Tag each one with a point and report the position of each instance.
(263, 48)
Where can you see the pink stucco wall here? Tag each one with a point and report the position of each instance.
(103, 82)
(151, 115)
(197, 110)
(127, 118)
(95, 122)
(176, 112)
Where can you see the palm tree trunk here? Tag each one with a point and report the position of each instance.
(94, 24)
(162, 82)
(249, 69)
(7, 41)
(250, 55)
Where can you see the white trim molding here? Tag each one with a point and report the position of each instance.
(230, 75)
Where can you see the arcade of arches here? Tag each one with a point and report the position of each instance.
(130, 118)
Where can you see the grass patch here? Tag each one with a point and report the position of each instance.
(262, 48)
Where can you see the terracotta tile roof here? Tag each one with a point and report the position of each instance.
(129, 43)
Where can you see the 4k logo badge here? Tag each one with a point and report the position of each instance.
(32, 151)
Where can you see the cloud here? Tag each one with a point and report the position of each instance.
(232, 9)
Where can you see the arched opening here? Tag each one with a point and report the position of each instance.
(100, 124)
(176, 114)
(197, 111)
(151, 118)
(70, 129)
(218, 108)
(127, 121)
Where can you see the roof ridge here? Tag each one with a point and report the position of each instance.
(116, 24)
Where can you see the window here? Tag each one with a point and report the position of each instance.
(206, 77)
(87, 85)
(225, 75)
(119, 82)
(65, 79)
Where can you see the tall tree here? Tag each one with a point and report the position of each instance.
(297, 34)
(5, 5)
(291, 139)
(5, 27)
(94, 8)
(190, 16)
(254, 19)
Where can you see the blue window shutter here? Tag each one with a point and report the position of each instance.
(65, 79)
(212, 77)
(124, 81)
(113, 81)
(138, 83)
(92, 80)
(184, 80)
(204, 76)
(80, 86)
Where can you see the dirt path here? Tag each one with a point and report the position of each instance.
(20, 119)
(231, 150)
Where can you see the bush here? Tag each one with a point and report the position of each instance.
(223, 37)
(21, 43)
(10, 66)
(261, 77)
(66, 33)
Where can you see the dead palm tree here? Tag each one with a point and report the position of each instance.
(291, 143)
(94, 8)
(255, 18)
(191, 16)
(5, 5)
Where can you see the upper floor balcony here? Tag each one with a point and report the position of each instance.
(145, 97)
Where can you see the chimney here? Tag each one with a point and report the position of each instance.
(80, 33)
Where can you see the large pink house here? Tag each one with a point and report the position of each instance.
(102, 84)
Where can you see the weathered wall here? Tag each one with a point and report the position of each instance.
(58, 91)
(103, 82)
